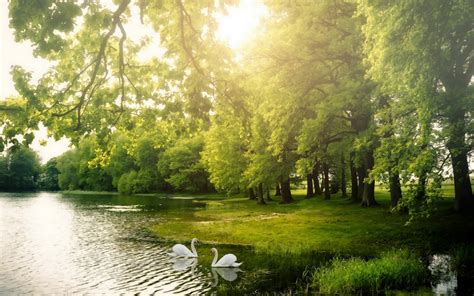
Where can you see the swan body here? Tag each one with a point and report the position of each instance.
(180, 250)
(228, 260)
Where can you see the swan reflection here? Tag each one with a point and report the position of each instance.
(228, 274)
(180, 264)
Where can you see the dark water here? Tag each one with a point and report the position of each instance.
(59, 243)
(98, 244)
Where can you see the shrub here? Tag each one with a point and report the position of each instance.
(394, 270)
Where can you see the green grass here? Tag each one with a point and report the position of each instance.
(394, 270)
(317, 225)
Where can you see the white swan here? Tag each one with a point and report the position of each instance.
(180, 250)
(228, 260)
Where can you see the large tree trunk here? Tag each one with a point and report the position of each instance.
(368, 196)
(268, 195)
(361, 174)
(343, 177)
(251, 194)
(395, 190)
(456, 84)
(462, 184)
(260, 200)
(327, 193)
(285, 190)
(277, 190)
(354, 185)
(309, 186)
(463, 199)
(317, 187)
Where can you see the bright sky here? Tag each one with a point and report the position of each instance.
(235, 28)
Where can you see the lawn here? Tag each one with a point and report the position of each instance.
(317, 225)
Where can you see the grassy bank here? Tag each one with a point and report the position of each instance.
(335, 225)
(394, 270)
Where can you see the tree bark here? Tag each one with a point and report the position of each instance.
(285, 190)
(343, 177)
(309, 186)
(251, 194)
(317, 187)
(463, 199)
(268, 195)
(361, 174)
(457, 84)
(368, 196)
(327, 193)
(260, 199)
(354, 185)
(277, 190)
(395, 190)
(462, 183)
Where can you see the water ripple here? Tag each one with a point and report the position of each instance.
(51, 244)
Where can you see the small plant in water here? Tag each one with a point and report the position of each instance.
(394, 270)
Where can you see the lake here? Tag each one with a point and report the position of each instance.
(85, 243)
(78, 243)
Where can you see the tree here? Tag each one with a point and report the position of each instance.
(97, 80)
(49, 176)
(182, 168)
(78, 169)
(23, 169)
(4, 175)
(422, 50)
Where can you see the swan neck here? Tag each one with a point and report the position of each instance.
(193, 249)
(214, 261)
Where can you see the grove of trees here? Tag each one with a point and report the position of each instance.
(343, 94)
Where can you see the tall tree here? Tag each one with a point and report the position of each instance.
(424, 50)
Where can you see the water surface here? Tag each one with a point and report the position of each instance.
(99, 244)
(78, 243)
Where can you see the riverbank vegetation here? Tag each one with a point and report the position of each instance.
(394, 270)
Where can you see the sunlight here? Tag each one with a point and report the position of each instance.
(240, 23)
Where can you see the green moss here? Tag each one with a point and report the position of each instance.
(308, 225)
(394, 270)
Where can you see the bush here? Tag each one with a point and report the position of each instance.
(394, 270)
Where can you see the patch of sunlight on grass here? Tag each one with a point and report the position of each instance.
(315, 224)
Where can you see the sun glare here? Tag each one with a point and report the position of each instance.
(240, 23)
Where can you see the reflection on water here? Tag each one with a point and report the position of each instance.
(444, 278)
(66, 243)
(228, 274)
(63, 243)
(77, 244)
(180, 264)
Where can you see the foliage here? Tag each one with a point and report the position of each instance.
(77, 172)
(393, 270)
(182, 168)
(381, 85)
(420, 53)
(135, 182)
(48, 179)
(20, 168)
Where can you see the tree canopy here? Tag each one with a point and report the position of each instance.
(375, 90)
